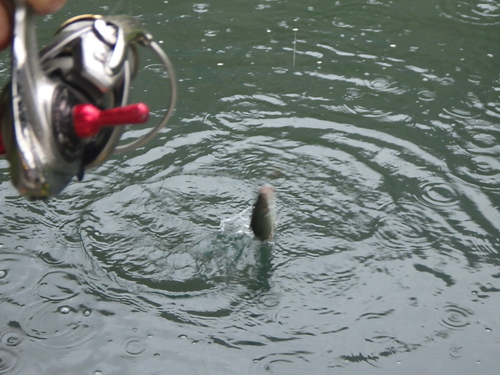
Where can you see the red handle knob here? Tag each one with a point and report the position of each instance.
(88, 119)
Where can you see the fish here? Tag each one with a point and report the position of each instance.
(264, 214)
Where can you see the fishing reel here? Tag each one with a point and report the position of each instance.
(59, 114)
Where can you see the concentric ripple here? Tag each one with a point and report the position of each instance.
(427, 95)
(456, 317)
(9, 362)
(166, 256)
(477, 12)
(16, 272)
(384, 85)
(11, 339)
(460, 113)
(133, 347)
(364, 17)
(436, 193)
(58, 286)
(59, 325)
(483, 165)
(401, 238)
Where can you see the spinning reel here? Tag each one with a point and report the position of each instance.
(61, 113)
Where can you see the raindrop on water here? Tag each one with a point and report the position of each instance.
(456, 317)
(11, 339)
(64, 310)
(134, 347)
(456, 352)
(435, 193)
(426, 95)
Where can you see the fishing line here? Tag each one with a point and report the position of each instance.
(294, 44)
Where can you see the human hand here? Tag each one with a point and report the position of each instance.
(6, 9)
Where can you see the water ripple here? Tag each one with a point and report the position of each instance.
(11, 339)
(460, 113)
(483, 171)
(382, 142)
(285, 362)
(9, 362)
(166, 255)
(361, 17)
(387, 344)
(168, 259)
(477, 12)
(436, 193)
(59, 325)
(373, 315)
(58, 286)
(133, 347)
(384, 85)
(401, 238)
(456, 317)
(16, 272)
(427, 96)
(477, 159)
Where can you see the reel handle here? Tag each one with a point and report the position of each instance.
(88, 120)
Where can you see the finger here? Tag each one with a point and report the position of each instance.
(46, 6)
(5, 27)
(40, 6)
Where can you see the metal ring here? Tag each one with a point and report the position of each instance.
(173, 86)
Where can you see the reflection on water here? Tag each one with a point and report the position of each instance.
(382, 144)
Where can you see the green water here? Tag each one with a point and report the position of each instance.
(377, 122)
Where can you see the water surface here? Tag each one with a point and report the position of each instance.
(377, 123)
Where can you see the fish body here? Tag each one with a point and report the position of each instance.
(263, 214)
